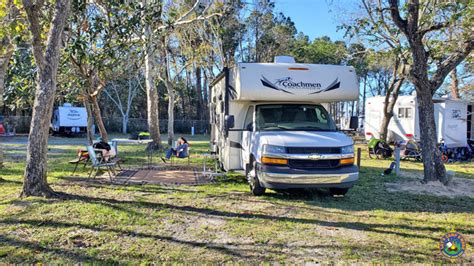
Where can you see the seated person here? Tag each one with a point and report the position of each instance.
(181, 150)
(104, 147)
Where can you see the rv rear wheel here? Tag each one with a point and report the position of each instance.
(252, 177)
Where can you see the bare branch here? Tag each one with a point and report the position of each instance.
(435, 27)
(451, 62)
(189, 21)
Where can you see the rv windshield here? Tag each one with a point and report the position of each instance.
(293, 117)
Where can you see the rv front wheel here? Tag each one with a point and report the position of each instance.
(252, 177)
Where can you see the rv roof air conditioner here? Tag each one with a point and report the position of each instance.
(284, 59)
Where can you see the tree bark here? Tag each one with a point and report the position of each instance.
(171, 98)
(454, 84)
(98, 119)
(199, 92)
(206, 95)
(90, 122)
(433, 166)
(4, 60)
(152, 101)
(391, 96)
(124, 123)
(35, 177)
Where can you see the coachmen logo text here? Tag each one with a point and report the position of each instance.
(287, 84)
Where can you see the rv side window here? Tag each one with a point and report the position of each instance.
(401, 112)
(249, 119)
(405, 112)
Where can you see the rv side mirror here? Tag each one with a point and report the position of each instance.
(354, 123)
(229, 122)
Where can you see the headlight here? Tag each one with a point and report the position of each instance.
(347, 149)
(273, 149)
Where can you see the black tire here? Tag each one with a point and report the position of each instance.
(254, 183)
(335, 191)
(371, 153)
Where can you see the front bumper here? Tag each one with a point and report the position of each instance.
(281, 177)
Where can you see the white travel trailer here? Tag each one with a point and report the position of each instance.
(452, 117)
(267, 119)
(69, 120)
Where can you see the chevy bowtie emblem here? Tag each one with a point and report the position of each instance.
(315, 156)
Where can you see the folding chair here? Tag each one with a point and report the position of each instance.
(98, 163)
(173, 158)
(82, 157)
(116, 158)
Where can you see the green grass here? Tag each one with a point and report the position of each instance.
(222, 222)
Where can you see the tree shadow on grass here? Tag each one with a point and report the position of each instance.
(359, 226)
(239, 250)
(7, 181)
(72, 255)
(369, 194)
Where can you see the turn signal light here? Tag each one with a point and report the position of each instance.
(268, 160)
(347, 161)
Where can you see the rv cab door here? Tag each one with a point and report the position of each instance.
(247, 136)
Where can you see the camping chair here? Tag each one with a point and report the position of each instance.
(173, 158)
(98, 163)
(116, 158)
(82, 157)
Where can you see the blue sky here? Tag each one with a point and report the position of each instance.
(313, 17)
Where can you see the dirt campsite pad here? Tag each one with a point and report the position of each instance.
(411, 183)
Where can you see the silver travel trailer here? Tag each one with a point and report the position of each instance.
(267, 119)
(453, 120)
(69, 120)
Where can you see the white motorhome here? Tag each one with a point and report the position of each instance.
(452, 118)
(69, 120)
(267, 119)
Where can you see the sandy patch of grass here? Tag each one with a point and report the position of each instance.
(411, 183)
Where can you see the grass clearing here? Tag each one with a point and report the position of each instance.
(221, 222)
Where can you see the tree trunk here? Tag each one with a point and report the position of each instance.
(199, 92)
(98, 119)
(4, 60)
(90, 122)
(35, 178)
(124, 123)
(171, 96)
(152, 102)
(3, 72)
(206, 100)
(454, 84)
(433, 166)
(364, 95)
(384, 126)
